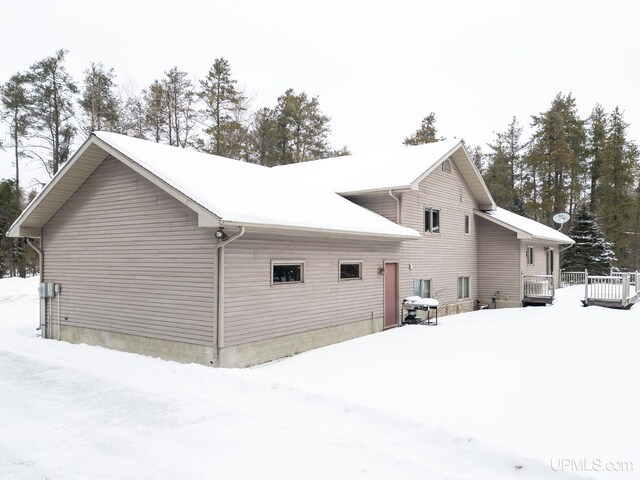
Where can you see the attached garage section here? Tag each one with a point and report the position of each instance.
(136, 272)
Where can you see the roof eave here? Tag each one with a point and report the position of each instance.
(376, 190)
(521, 234)
(325, 231)
(206, 218)
(16, 229)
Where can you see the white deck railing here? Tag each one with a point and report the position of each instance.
(537, 286)
(601, 287)
(568, 279)
(616, 289)
(619, 286)
(633, 276)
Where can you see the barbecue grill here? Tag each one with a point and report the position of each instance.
(414, 304)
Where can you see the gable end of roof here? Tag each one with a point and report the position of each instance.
(74, 173)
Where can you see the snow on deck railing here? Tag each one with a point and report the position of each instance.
(568, 279)
(537, 286)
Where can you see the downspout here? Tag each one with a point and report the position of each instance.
(566, 248)
(399, 220)
(43, 307)
(40, 257)
(220, 299)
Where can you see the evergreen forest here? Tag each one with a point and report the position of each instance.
(587, 167)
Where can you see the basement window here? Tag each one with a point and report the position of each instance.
(350, 270)
(289, 272)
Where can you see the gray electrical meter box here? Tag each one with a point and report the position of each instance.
(47, 290)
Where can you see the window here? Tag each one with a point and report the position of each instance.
(422, 288)
(432, 220)
(446, 165)
(529, 255)
(463, 287)
(350, 270)
(467, 224)
(291, 272)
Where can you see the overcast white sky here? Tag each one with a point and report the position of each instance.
(378, 67)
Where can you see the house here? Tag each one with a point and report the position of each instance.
(512, 249)
(170, 252)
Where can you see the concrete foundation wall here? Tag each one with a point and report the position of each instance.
(253, 353)
(243, 355)
(153, 347)
(507, 304)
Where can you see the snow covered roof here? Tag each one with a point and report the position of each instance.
(396, 169)
(222, 191)
(524, 227)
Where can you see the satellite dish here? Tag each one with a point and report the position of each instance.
(561, 218)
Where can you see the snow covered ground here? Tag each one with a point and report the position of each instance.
(544, 389)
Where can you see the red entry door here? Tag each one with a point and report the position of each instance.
(390, 295)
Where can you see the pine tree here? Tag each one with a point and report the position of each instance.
(426, 133)
(591, 251)
(16, 105)
(478, 158)
(155, 112)
(294, 131)
(620, 162)
(597, 125)
(12, 250)
(262, 134)
(498, 175)
(513, 148)
(53, 95)
(224, 110)
(303, 126)
(556, 159)
(99, 101)
(180, 107)
(505, 175)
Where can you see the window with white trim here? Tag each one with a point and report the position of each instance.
(350, 270)
(463, 287)
(530, 257)
(431, 220)
(446, 166)
(287, 272)
(422, 287)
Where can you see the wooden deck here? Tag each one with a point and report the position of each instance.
(537, 289)
(618, 290)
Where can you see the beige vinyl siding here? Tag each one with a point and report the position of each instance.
(379, 202)
(539, 266)
(498, 262)
(255, 310)
(131, 259)
(445, 256)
